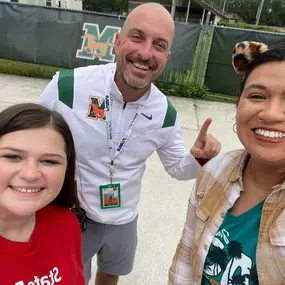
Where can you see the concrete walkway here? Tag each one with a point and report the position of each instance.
(164, 200)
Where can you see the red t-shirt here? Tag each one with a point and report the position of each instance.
(52, 256)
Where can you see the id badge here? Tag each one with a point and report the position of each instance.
(110, 196)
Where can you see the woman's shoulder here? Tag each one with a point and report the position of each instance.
(57, 215)
(221, 169)
(216, 173)
(230, 159)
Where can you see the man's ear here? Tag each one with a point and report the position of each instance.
(117, 42)
(169, 55)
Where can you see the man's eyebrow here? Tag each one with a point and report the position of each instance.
(49, 154)
(136, 30)
(255, 86)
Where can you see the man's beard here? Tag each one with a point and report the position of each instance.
(126, 76)
(136, 84)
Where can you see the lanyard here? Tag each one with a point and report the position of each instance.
(114, 152)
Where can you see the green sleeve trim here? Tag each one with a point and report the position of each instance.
(170, 117)
(66, 87)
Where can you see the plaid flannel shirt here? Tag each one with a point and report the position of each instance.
(217, 188)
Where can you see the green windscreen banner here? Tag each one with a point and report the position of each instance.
(69, 38)
(220, 76)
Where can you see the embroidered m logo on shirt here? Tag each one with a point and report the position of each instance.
(96, 108)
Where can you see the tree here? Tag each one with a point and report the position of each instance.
(164, 2)
(106, 6)
(246, 9)
(118, 6)
(235, 251)
(218, 257)
(273, 13)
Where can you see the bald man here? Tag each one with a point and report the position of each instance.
(113, 142)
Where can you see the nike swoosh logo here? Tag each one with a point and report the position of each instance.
(148, 117)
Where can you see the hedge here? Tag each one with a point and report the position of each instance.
(248, 26)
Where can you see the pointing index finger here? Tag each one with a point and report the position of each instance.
(204, 129)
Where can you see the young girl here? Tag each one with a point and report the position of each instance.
(40, 238)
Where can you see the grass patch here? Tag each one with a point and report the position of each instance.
(208, 46)
(197, 55)
(200, 58)
(246, 26)
(27, 69)
(42, 71)
(175, 76)
(220, 98)
(177, 91)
